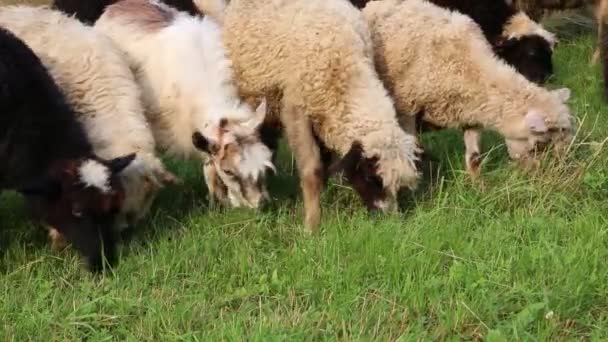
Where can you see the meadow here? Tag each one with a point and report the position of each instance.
(521, 257)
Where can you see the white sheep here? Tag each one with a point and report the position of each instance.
(437, 64)
(100, 86)
(190, 96)
(316, 55)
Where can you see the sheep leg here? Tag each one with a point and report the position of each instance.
(472, 139)
(308, 161)
(601, 11)
(596, 53)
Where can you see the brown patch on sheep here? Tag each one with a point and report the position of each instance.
(150, 15)
(362, 173)
(218, 192)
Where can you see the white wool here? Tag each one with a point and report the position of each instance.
(185, 75)
(187, 80)
(100, 86)
(92, 72)
(94, 174)
(255, 159)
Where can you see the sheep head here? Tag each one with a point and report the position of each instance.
(80, 199)
(530, 55)
(527, 46)
(142, 180)
(362, 173)
(539, 128)
(240, 159)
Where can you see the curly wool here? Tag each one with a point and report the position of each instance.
(318, 54)
(438, 63)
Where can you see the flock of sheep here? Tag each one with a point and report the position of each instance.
(91, 91)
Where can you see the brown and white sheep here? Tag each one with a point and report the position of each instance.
(438, 65)
(316, 57)
(190, 96)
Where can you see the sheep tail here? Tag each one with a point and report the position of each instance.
(213, 8)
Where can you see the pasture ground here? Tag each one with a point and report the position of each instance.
(523, 258)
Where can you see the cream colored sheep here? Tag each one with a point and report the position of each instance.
(438, 64)
(190, 95)
(100, 86)
(317, 55)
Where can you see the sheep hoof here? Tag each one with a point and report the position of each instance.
(58, 241)
(474, 165)
(311, 224)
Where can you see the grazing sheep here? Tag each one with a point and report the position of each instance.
(437, 64)
(600, 8)
(316, 57)
(46, 156)
(517, 39)
(192, 102)
(98, 83)
(88, 11)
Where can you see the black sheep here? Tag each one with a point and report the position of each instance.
(45, 155)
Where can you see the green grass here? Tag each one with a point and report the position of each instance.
(522, 259)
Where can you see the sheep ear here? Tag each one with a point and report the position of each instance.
(260, 115)
(563, 94)
(117, 165)
(535, 122)
(200, 142)
(549, 37)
